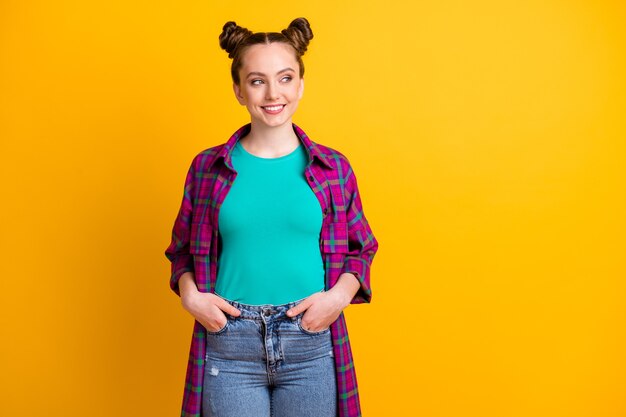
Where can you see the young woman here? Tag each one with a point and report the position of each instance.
(269, 246)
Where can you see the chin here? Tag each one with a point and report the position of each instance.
(275, 123)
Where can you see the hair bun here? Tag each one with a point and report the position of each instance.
(232, 35)
(299, 34)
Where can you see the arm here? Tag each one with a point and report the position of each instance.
(353, 285)
(362, 245)
(178, 250)
(206, 308)
(187, 285)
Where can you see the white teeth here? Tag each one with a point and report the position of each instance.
(273, 108)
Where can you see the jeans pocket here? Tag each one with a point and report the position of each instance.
(303, 330)
(221, 330)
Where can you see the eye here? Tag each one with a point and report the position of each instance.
(288, 77)
(253, 82)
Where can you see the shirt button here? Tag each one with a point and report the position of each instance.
(311, 178)
(325, 211)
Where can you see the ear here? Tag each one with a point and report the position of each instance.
(238, 95)
(301, 88)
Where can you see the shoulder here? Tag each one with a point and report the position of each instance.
(336, 158)
(342, 170)
(204, 159)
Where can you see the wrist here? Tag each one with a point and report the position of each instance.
(188, 288)
(346, 288)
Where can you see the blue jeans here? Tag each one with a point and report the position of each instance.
(264, 364)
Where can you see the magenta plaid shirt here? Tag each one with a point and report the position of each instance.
(347, 244)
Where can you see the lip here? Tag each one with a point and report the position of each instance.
(272, 105)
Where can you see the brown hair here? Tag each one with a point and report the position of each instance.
(235, 39)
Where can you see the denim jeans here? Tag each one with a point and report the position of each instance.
(264, 364)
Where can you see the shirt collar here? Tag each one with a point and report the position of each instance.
(312, 148)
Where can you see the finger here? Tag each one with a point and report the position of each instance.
(215, 325)
(294, 311)
(315, 326)
(222, 322)
(228, 308)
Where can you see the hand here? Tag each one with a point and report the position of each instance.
(208, 309)
(320, 309)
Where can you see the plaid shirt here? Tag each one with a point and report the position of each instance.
(347, 244)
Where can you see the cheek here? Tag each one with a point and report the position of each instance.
(294, 93)
(254, 96)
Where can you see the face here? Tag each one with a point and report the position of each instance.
(270, 85)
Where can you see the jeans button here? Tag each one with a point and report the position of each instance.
(267, 312)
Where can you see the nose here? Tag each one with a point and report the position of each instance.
(272, 92)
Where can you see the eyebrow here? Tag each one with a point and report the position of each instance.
(261, 74)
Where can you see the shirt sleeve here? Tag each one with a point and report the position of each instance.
(362, 245)
(178, 250)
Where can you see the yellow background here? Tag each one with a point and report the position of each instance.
(488, 138)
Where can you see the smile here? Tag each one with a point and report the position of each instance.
(273, 109)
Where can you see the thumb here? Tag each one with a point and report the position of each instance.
(228, 308)
(294, 311)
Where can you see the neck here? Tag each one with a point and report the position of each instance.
(270, 142)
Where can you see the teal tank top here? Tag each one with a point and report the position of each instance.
(270, 224)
